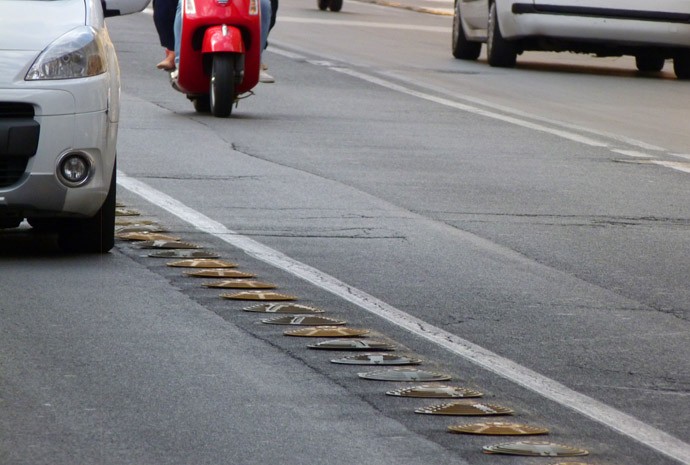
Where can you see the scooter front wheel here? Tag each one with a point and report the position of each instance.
(223, 91)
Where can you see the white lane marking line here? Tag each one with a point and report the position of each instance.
(443, 101)
(631, 153)
(508, 119)
(674, 165)
(468, 108)
(623, 423)
(338, 22)
(505, 109)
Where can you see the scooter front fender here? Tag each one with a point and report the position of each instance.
(222, 39)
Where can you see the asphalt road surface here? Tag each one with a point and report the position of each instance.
(524, 231)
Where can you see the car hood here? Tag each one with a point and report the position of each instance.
(31, 25)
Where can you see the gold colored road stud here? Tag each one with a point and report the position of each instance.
(258, 295)
(327, 331)
(497, 428)
(283, 308)
(435, 391)
(203, 263)
(351, 344)
(139, 228)
(120, 211)
(167, 245)
(146, 236)
(535, 449)
(465, 409)
(404, 374)
(121, 221)
(570, 463)
(235, 284)
(304, 320)
(184, 253)
(220, 273)
(377, 359)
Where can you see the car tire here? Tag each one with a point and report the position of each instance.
(500, 52)
(462, 48)
(649, 63)
(323, 4)
(335, 5)
(681, 64)
(95, 234)
(44, 224)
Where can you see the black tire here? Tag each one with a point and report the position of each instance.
(44, 224)
(323, 4)
(223, 92)
(95, 234)
(500, 52)
(462, 48)
(681, 64)
(335, 5)
(649, 63)
(202, 104)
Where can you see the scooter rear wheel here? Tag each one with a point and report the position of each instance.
(223, 91)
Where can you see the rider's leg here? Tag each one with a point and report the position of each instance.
(178, 32)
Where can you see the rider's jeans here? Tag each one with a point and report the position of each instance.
(266, 13)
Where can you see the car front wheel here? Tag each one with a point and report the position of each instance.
(681, 64)
(649, 63)
(500, 52)
(91, 235)
(463, 48)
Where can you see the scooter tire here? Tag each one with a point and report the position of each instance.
(323, 4)
(223, 91)
(335, 5)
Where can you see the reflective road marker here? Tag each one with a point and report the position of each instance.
(616, 420)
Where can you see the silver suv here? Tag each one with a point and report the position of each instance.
(651, 31)
(59, 112)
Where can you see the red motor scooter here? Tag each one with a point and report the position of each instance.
(220, 53)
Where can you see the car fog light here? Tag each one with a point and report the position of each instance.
(74, 169)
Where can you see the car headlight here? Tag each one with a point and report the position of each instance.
(77, 54)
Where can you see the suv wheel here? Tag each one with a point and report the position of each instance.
(462, 48)
(681, 64)
(649, 63)
(95, 234)
(500, 52)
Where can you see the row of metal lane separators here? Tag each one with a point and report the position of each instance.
(357, 346)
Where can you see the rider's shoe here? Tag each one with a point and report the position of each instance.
(266, 78)
(169, 63)
(173, 79)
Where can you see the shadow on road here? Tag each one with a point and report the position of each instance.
(25, 242)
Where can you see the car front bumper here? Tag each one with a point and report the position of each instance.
(73, 118)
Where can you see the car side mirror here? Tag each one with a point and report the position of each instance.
(122, 7)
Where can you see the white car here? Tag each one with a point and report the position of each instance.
(651, 31)
(59, 111)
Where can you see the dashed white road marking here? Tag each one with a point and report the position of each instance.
(372, 24)
(512, 116)
(623, 423)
